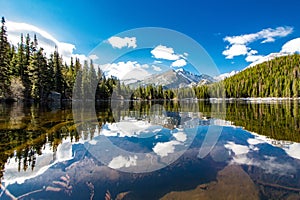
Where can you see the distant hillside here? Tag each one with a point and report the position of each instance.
(279, 77)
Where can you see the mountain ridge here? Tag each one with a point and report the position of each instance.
(175, 78)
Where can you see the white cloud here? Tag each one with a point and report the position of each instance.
(237, 149)
(118, 42)
(121, 161)
(268, 35)
(268, 163)
(253, 58)
(179, 63)
(128, 72)
(163, 52)
(164, 148)
(252, 52)
(225, 75)
(93, 57)
(45, 40)
(157, 62)
(145, 66)
(180, 136)
(241, 39)
(266, 58)
(235, 50)
(130, 127)
(156, 68)
(238, 44)
(291, 46)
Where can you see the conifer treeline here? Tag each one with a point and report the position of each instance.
(26, 73)
(279, 77)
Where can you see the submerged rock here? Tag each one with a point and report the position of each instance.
(232, 183)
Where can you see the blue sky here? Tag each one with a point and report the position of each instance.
(86, 23)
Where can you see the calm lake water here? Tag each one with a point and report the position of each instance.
(150, 150)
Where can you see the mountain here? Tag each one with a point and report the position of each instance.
(178, 78)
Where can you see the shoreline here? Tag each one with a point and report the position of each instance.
(257, 99)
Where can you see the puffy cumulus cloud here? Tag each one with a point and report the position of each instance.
(253, 58)
(45, 40)
(128, 72)
(237, 149)
(164, 148)
(163, 52)
(93, 57)
(168, 53)
(238, 44)
(118, 42)
(292, 46)
(252, 52)
(156, 68)
(266, 58)
(122, 161)
(180, 136)
(241, 39)
(235, 50)
(179, 63)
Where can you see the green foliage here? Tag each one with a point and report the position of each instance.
(4, 62)
(279, 77)
(151, 92)
(280, 121)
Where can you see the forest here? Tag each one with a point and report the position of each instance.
(27, 73)
(279, 77)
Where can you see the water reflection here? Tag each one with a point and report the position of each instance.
(44, 155)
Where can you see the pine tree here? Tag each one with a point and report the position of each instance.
(44, 82)
(33, 73)
(20, 58)
(4, 62)
(93, 79)
(86, 89)
(24, 69)
(58, 78)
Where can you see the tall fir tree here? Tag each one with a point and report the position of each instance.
(24, 70)
(57, 66)
(4, 62)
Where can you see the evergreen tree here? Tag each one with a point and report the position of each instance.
(24, 70)
(4, 62)
(93, 79)
(33, 74)
(58, 78)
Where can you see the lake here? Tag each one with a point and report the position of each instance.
(150, 150)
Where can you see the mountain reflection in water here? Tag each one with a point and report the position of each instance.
(44, 156)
